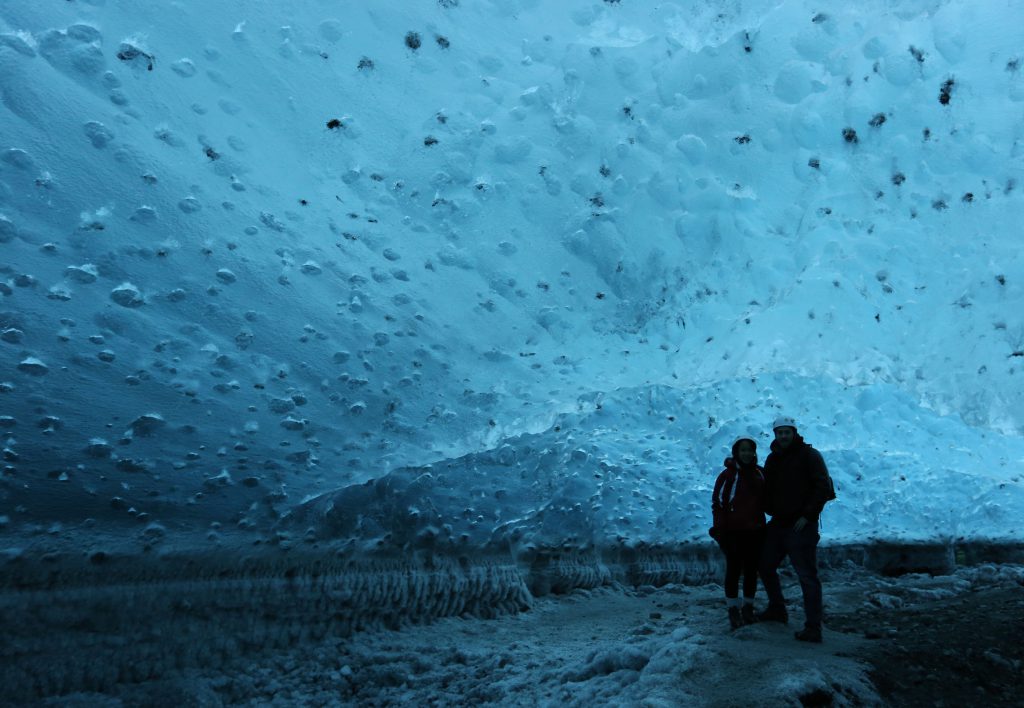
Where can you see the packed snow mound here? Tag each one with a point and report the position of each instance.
(241, 267)
(636, 467)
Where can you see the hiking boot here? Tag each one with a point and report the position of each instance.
(809, 634)
(748, 614)
(735, 620)
(774, 613)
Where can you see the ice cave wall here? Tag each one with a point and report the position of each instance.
(252, 255)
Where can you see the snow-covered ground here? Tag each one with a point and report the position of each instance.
(614, 646)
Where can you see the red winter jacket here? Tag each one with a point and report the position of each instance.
(737, 502)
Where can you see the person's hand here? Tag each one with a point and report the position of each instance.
(800, 523)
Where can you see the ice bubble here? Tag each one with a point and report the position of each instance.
(949, 36)
(11, 335)
(332, 30)
(129, 464)
(58, 292)
(144, 215)
(19, 42)
(808, 129)
(874, 48)
(7, 229)
(796, 81)
(18, 158)
(190, 205)
(99, 135)
(32, 365)
(291, 423)
(693, 147)
(281, 405)
(184, 67)
(85, 273)
(223, 479)
(99, 448)
(530, 96)
(147, 424)
(513, 151)
(154, 530)
(900, 69)
(127, 295)
(84, 33)
(271, 221)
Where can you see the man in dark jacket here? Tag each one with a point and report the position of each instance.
(797, 486)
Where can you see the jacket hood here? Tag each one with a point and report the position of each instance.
(733, 460)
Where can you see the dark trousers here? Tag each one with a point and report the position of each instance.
(802, 548)
(742, 557)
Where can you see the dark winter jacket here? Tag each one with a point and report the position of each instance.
(737, 502)
(796, 483)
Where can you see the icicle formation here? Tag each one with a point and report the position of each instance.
(72, 638)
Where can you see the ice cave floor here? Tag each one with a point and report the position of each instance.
(945, 637)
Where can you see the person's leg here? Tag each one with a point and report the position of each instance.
(775, 546)
(771, 557)
(753, 544)
(803, 554)
(750, 551)
(733, 565)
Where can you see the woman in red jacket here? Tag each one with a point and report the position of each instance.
(737, 506)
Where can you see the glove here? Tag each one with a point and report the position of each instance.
(713, 533)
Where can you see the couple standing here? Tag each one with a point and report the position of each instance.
(792, 488)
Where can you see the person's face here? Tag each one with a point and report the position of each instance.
(784, 436)
(746, 453)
